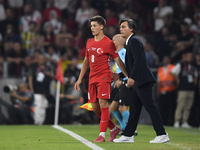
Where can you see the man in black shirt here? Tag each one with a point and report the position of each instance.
(39, 83)
(15, 58)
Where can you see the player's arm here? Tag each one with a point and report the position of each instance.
(121, 65)
(81, 75)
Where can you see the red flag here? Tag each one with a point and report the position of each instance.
(59, 73)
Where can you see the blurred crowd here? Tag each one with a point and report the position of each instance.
(36, 34)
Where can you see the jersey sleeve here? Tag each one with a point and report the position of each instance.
(113, 52)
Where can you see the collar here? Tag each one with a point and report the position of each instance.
(128, 38)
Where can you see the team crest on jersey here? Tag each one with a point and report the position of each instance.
(93, 48)
(99, 50)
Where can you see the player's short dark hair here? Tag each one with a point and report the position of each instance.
(99, 19)
(131, 24)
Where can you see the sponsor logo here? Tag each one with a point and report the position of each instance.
(100, 51)
(88, 49)
(93, 48)
(104, 94)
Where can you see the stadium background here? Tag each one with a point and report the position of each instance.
(61, 26)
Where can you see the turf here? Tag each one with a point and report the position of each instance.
(47, 138)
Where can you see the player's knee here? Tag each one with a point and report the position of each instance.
(112, 108)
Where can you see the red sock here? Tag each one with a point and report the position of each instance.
(111, 125)
(105, 116)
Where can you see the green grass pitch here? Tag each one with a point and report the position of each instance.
(45, 137)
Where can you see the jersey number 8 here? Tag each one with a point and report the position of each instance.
(92, 58)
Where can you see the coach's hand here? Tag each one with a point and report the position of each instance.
(118, 83)
(130, 83)
(77, 85)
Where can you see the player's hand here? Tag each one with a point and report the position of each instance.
(115, 76)
(130, 83)
(77, 85)
(13, 94)
(62, 96)
(118, 83)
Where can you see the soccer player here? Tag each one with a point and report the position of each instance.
(119, 105)
(98, 51)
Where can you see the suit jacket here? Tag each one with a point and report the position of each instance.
(136, 64)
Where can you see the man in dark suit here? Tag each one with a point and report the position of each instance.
(141, 81)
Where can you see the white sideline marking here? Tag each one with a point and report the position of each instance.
(78, 137)
(178, 145)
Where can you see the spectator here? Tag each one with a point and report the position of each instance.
(173, 39)
(36, 3)
(166, 91)
(10, 35)
(48, 36)
(53, 22)
(138, 20)
(27, 36)
(71, 75)
(25, 69)
(83, 13)
(79, 42)
(39, 83)
(10, 19)
(162, 44)
(20, 111)
(64, 33)
(68, 48)
(152, 58)
(46, 12)
(159, 12)
(185, 75)
(124, 14)
(15, 58)
(110, 31)
(6, 49)
(52, 59)
(185, 42)
(111, 20)
(76, 114)
(62, 5)
(35, 45)
(30, 16)
(36, 54)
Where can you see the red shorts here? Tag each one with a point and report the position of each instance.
(99, 91)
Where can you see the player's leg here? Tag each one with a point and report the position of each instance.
(114, 108)
(92, 98)
(124, 101)
(104, 92)
(124, 111)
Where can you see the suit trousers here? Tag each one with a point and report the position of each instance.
(143, 96)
